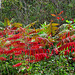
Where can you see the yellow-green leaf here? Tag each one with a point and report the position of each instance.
(31, 24)
(17, 25)
(51, 28)
(6, 22)
(55, 24)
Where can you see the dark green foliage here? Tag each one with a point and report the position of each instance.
(27, 11)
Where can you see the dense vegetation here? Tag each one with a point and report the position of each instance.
(46, 50)
(27, 11)
(43, 47)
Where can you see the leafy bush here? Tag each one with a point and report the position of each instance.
(45, 50)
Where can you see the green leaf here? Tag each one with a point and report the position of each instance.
(37, 65)
(74, 20)
(70, 5)
(6, 22)
(49, 37)
(67, 21)
(1, 28)
(23, 69)
(1, 24)
(29, 68)
(73, 64)
(12, 20)
(73, 27)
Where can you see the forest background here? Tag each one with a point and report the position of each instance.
(28, 11)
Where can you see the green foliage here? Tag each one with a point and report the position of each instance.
(1, 24)
(28, 11)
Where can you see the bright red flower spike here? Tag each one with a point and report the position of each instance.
(17, 65)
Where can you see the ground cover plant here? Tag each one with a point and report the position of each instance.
(48, 50)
